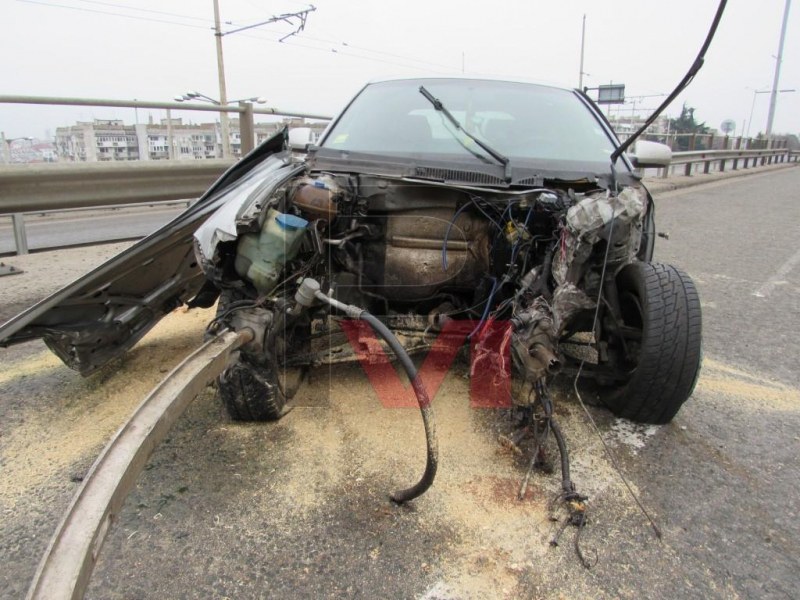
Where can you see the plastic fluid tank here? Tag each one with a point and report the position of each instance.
(260, 257)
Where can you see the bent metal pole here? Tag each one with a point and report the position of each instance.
(67, 565)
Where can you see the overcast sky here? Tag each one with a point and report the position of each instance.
(153, 50)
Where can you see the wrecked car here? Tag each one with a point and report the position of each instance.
(427, 202)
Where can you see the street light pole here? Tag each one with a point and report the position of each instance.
(753, 105)
(752, 108)
(773, 99)
(223, 94)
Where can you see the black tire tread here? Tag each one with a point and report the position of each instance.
(248, 390)
(250, 393)
(670, 352)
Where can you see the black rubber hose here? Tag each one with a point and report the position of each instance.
(566, 481)
(425, 408)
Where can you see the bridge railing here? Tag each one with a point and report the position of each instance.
(245, 110)
(707, 161)
(51, 187)
(44, 187)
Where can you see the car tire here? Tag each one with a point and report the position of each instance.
(250, 392)
(663, 303)
(250, 388)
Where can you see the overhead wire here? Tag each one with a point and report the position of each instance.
(382, 52)
(105, 12)
(329, 50)
(147, 10)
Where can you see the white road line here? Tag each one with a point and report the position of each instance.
(779, 276)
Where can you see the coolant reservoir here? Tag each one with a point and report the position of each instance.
(260, 257)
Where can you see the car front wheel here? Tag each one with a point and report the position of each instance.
(659, 343)
(255, 388)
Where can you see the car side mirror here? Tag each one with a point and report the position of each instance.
(651, 154)
(300, 138)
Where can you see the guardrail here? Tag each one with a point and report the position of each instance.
(43, 187)
(48, 187)
(245, 109)
(724, 159)
(51, 187)
(691, 142)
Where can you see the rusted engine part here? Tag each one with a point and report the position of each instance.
(539, 325)
(309, 291)
(535, 334)
(406, 265)
(590, 221)
(327, 350)
(402, 258)
(67, 565)
(317, 197)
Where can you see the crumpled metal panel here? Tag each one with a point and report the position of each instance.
(588, 218)
(243, 202)
(589, 221)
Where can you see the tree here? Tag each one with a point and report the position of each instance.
(686, 123)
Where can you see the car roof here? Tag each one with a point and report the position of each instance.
(469, 78)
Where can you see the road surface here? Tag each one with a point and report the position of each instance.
(63, 229)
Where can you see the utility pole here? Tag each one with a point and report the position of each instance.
(297, 19)
(583, 43)
(223, 93)
(773, 97)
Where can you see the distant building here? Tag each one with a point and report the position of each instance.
(112, 140)
(98, 140)
(188, 141)
(625, 125)
(27, 150)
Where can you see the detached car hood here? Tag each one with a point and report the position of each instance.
(102, 314)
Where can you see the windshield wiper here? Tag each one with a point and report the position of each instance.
(437, 104)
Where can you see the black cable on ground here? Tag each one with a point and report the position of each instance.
(425, 408)
(310, 290)
(566, 481)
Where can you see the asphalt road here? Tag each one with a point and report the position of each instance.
(63, 229)
(299, 509)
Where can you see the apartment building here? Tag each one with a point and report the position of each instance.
(112, 140)
(97, 140)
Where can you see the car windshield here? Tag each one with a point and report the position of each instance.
(524, 122)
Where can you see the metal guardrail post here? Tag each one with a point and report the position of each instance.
(247, 128)
(170, 138)
(20, 238)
